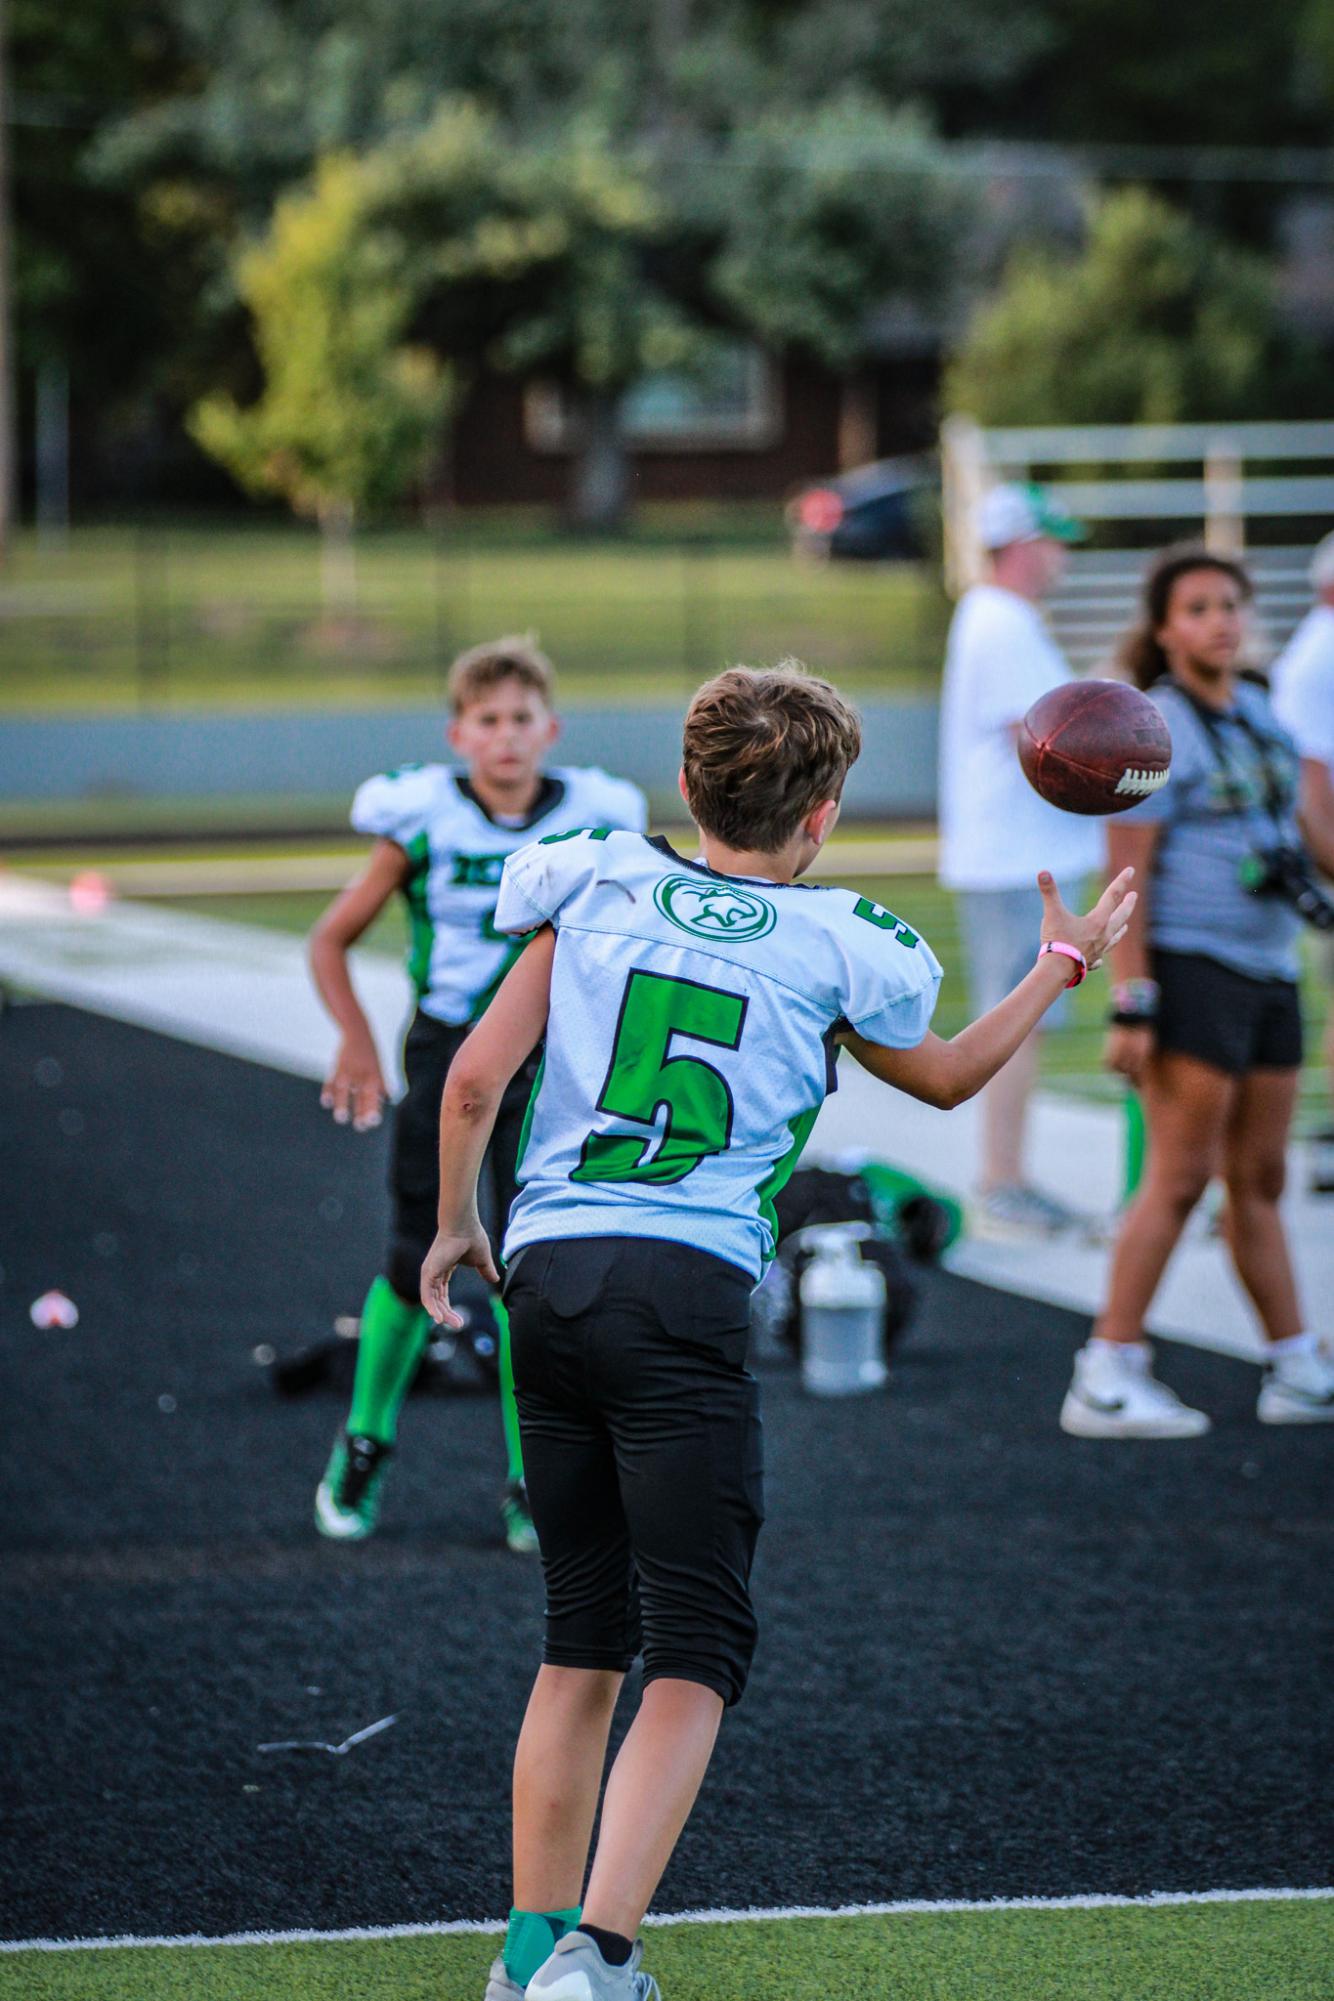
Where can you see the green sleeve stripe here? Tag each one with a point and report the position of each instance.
(776, 1180)
(527, 1126)
(421, 929)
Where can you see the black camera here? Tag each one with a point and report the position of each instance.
(1284, 872)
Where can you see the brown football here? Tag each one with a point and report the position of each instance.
(1095, 747)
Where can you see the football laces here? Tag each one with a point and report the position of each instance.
(1139, 782)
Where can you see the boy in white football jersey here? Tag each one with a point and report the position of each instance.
(691, 1011)
(442, 835)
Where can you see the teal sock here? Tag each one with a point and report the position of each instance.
(394, 1332)
(509, 1413)
(532, 1938)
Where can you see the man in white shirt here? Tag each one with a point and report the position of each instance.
(1303, 684)
(995, 831)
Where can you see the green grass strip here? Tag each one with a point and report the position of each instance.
(1253, 1951)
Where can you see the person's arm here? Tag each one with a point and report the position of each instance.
(504, 1038)
(946, 1073)
(354, 1088)
(1127, 1049)
(1315, 812)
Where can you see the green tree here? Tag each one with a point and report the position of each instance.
(1157, 322)
(1200, 73)
(164, 128)
(829, 217)
(349, 408)
(76, 241)
(273, 85)
(1315, 53)
(541, 257)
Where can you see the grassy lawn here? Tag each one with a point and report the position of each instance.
(1261, 1951)
(230, 616)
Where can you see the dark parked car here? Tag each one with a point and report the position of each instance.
(878, 513)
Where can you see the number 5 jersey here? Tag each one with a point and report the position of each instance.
(691, 1037)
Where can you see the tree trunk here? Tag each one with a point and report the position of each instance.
(338, 561)
(857, 427)
(600, 475)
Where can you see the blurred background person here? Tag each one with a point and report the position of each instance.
(995, 832)
(1303, 683)
(1206, 1018)
(441, 835)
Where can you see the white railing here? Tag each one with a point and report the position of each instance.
(1218, 502)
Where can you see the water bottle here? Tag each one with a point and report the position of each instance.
(842, 1318)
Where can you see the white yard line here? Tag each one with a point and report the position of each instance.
(909, 1908)
(241, 875)
(233, 987)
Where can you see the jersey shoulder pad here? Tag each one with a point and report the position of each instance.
(605, 799)
(538, 879)
(888, 975)
(397, 805)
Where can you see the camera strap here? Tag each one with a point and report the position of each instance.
(1275, 793)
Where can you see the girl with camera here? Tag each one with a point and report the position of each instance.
(1206, 1019)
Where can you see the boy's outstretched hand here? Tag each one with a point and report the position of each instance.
(466, 1247)
(1102, 928)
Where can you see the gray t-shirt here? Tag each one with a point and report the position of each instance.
(1213, 812)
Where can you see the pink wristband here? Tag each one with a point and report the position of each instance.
(1068, 952)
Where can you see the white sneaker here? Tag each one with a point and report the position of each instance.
(1016, 1213)
(576, 1971)
(1115, 1394)
(1298, 1389)
(500, 1987)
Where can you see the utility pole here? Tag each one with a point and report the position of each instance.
(7, 423)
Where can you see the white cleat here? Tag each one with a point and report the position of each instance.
(1115, 1394)
(576, 1971)
(500, 1987)
(1019, 1214)
(1298, 1389)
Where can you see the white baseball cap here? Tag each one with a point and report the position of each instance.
(1024, 514)
(1322, 564)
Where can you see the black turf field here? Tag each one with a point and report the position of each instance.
(993, 1661)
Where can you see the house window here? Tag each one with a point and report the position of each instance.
(729, 402)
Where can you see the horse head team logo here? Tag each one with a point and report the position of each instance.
(714, 909)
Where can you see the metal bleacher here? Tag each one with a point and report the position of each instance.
(1138, 486)
(1096, 600)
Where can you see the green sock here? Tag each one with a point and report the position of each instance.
(509, 1413)
(393, 1334)
(532, 1938)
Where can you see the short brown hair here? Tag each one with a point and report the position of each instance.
(762, 748)
(483, 667)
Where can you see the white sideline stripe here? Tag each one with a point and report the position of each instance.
(909, 1908)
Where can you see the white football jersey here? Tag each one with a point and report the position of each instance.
(690, 1041)
(456, 955)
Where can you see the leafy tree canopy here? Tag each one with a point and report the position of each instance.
(1157, 322)
(825, 215)
(349, 407)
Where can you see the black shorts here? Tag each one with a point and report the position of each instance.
(414, 1156)
(1226, 1018)
(643, 1454)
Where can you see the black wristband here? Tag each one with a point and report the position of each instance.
(1120, 1018)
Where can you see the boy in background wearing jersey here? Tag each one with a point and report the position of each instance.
(441, 839)
(691, 1011)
